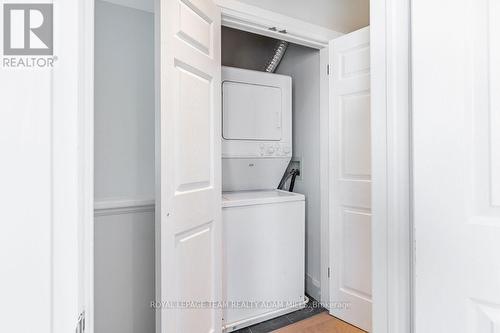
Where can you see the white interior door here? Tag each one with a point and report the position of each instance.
(350, 238)
(456, 165)
(189, 219)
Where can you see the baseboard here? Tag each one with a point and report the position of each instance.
(313, 287)
(121, 206)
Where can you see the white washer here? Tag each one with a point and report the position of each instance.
(264, 242)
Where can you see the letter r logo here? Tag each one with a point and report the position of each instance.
(28, 29)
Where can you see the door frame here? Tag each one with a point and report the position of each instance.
(392, 239)
(86, 158)
(392, 225)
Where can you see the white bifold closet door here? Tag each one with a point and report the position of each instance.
(350, 237)
(189, 242)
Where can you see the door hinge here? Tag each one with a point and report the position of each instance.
(80, 325)
(328, 272)
(328, 69)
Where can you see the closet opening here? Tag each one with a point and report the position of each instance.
(271, 183)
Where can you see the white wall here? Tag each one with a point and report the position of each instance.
(338, 15)
(302, 64)
(124, 169)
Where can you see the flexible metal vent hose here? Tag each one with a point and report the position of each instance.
(279, 51)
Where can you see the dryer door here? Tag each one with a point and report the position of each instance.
(251, 111)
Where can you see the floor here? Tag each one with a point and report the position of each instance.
(312, 319)
(321, 323)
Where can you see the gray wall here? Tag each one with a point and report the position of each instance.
(302, 64)
(246, 50)
(124, 273)
(124, 169)
(124, 102)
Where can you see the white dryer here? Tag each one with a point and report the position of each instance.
(256, 128)
(263, 228)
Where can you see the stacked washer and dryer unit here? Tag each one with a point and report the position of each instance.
(263, 227)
